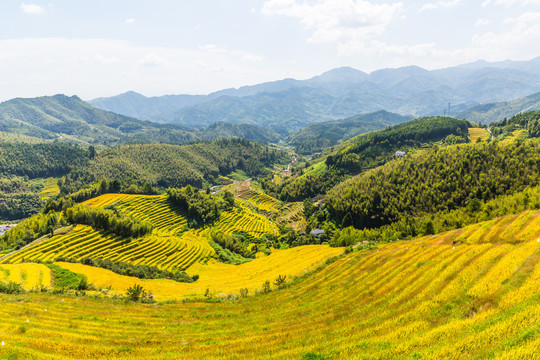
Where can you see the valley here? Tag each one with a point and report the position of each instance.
(377, 236)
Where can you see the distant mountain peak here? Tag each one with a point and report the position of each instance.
(345, 73)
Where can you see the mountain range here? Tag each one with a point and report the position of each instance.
(340, 93)
(71, 119)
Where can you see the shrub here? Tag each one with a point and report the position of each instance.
(135, 293)
(244, 292)
(266, 286)
(11, 288)
(280, 280)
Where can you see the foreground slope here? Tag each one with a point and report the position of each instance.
(469, 293)
(217, 278)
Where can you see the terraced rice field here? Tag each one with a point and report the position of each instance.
(247, 221)
(421, 299)
(170, 246)
(265, 203)
(166, 217)
(218, 278)
(165, 252)
(292, 214)
(30, 276)
(478, 133)
(50, 189)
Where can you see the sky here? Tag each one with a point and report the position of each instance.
(106, 47)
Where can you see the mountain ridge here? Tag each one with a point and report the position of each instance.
(345, 92)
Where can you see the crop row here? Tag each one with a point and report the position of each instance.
(264, 202)
(426, 298)
(166, 217)
(169, 252)
(245, 220)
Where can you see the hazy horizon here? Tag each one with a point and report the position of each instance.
(98, 49)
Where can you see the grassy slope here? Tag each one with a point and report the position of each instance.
(425, 298)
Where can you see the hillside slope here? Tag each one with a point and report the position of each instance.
(167, 165)
(497, 111)
(66, 118)
(429, 298)
(435, 180)
(317, 137)
(70, 119)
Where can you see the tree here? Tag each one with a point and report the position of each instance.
(429, 230)
(91, 152)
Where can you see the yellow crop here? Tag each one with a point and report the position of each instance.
(29, 275)
(404, 300)
(478, 133)
(464, 294)
(218, 277)
(264, 202)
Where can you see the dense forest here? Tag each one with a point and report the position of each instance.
(365, 152)
(21, 162)
(317, 137)
(201, 208)
(439, 179)
(39, 160)
(427, 224)
(163, 165)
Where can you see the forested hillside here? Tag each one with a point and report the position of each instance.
(316, 137)
(73, 120)
(374, 149)
(367, 151)
(69, 119)
(164, 165)
(437, 180)
(39, 160)
(497, 111)
(21, 163)
(528, 122)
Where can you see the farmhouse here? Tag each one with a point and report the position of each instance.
(317, 232)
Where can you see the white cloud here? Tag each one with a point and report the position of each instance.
(510, 2)
(31, 9)
(151, 60)
(130, 21)
(482, 22)
(100, 67)
(440, 4)
(342, 21)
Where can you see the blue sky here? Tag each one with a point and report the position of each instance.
(102, 48)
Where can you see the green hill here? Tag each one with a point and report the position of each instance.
(23, 168)
(368, 151)
(70, 119)
(316, 137)
(436, 180)
(165, 165)
(497, 111)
